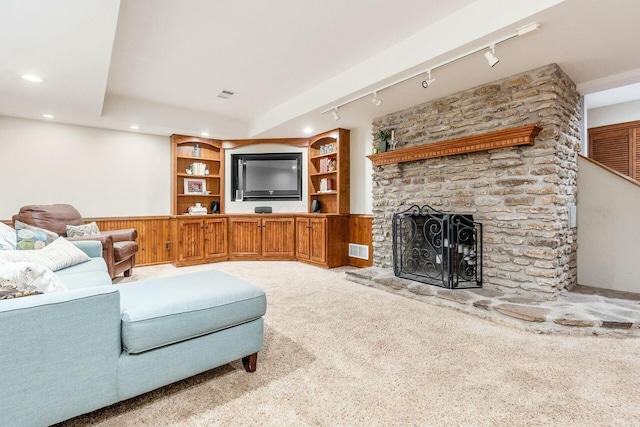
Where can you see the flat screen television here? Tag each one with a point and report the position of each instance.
(266, 176)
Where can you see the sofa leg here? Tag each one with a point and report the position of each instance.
(127, 273)
(250, 362)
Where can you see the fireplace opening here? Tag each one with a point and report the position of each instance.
(437, 248)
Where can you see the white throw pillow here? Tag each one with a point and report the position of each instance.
(90, 229)
(55, 256)
(7, 237)
(29, 276)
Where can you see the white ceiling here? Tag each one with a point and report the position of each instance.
(161, 63)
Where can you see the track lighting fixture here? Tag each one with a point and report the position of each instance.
(491, 56)
(376, 101)
(429, 81)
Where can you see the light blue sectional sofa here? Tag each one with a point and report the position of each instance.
(67, 353)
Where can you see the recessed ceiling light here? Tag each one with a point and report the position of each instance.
(48, 116)
(135, 127)
(205, 134)
(33, 78)
(307, 130)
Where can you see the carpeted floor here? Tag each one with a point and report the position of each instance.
(342, 354)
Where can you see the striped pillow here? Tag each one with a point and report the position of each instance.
(55, 256)
(90, 229)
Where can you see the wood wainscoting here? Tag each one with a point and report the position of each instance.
(360, 233)
(154, 236)
(154, 241)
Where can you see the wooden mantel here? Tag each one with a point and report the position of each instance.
(522, 135)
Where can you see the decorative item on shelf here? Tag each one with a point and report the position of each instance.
(189, 171)
(198, 169)
(198, 209)
(316, 206)
(328, 164)
(328, 148)
(195, 186)
(393, 141)
(196, 150)
(383, 138)
(326, 185)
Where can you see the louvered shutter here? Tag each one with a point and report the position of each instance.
(613, 149)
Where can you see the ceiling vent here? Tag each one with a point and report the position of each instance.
(226, 94)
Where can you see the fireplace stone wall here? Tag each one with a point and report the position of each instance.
(521, 194)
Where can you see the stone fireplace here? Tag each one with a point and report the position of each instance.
(521, 194)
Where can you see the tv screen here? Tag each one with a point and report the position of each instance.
(269, 176)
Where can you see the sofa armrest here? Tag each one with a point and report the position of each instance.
(125, 235)
(93, 248)
(58, 348)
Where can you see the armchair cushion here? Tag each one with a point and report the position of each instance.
(50, 217)
(124, 250)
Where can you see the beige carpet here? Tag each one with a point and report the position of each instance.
(342, 354)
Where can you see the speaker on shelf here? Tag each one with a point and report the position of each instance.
(315, 206)
(263, 209)
(215, 208)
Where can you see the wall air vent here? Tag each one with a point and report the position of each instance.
(226, 94)
(358, 251)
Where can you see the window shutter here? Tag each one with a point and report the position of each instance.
(613, 149)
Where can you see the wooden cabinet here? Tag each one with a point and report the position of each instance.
(253, 237)
(200, 240)
(311, 242)
(322, 240)
(329, 181)
(197, 173)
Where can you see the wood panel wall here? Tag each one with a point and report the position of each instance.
(360, 233)
(153, 236)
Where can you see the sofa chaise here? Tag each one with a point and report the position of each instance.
(71, 352)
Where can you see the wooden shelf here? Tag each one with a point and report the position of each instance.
(197, 176)
(522, 135)
(337, 200)
(212, 155)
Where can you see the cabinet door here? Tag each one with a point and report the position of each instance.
(278, 238)
(302, 238)
(318, 240)
(215, 238)
(190, 240)
(244, 237)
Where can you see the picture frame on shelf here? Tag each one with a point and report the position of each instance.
(195, 186)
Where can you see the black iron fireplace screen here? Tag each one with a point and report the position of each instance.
(437, 248)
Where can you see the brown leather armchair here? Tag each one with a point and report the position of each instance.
(118, 246)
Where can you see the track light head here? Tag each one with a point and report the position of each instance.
(429, 81)
(491, 57)
(335, 115)
(376, 101)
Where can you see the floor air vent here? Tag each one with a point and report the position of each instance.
(358, 251)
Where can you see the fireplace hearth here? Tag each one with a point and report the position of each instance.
(437, 248)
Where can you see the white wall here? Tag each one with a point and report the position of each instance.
(106, 173)
(612, 114)
(608, 229)
(100, 172)
(361, 170)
